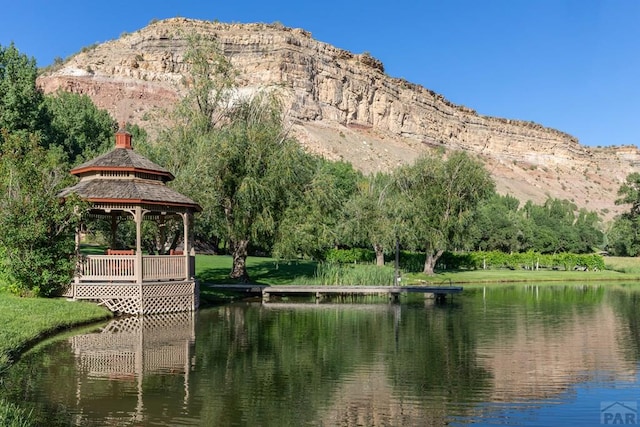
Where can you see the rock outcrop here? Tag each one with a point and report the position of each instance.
(343, 106)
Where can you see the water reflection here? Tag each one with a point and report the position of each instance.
(129, 349)
(550, 345)
(492, 350)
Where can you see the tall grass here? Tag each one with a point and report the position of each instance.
(12, 415)
(330, 274)
(629, 265)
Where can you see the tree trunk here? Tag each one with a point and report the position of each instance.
(379, 254)
(239, 270)
(431, 259)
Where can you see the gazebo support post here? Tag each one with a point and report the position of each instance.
(163, 233)
(77, 272)
(185, 225)
(138, 267)
(114, 230)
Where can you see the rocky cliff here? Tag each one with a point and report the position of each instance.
(343, 106)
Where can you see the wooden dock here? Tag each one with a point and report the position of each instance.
(320, 292)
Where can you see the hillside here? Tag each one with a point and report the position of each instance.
(343, 106)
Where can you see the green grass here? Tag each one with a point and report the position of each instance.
(505, 275)
(268, 271)
(12, 415)
(26, 320)
(215, 269)
(350, 275)
(623, 264)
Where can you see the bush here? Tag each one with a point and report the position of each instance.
(350, 256)
(412, 262)
(36, 229)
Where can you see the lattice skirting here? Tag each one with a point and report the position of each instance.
(156, 297)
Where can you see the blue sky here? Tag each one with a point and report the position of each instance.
(572, 65)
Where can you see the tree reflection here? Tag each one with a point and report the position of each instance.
(357, 362)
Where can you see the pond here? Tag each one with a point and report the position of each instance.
(498, 355)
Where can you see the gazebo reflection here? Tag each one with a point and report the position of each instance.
(128, 349)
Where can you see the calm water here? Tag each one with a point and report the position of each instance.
(527, 356)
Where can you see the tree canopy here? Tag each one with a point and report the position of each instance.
(624, 234)
(21, 102)
(441, 196)
(38, 140)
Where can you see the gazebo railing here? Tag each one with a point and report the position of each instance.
(108, 268)
(163, 267)
(122, 268)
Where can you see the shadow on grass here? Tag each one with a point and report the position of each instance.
(215, 269)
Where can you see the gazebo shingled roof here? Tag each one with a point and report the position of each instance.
(122, 191)
(122, 159)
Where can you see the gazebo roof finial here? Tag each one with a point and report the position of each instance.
(123, 138)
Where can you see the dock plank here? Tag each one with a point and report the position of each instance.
(395, 291)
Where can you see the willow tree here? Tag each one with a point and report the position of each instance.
(311, 224)
(369, 215)
(259, 172)
(187, 146)
(440, 196)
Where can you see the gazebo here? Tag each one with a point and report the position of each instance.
(123, 185)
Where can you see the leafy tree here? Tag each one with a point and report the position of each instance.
(78, 126)
(36, 229)
(232, 155)
(588, 228)
(369, 215)
(211, 84)
(311, 224)
(441, 196)
(629, 194)
(186, 148)
(624, 235)
(558, 226)
(259, 172)
(498, 225)
(21, 102)
(188, 153)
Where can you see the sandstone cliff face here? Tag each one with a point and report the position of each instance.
(342, 105)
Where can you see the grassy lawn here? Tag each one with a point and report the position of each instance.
(267, 271)
(24, 322)
(27, 320)
(623, 264)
